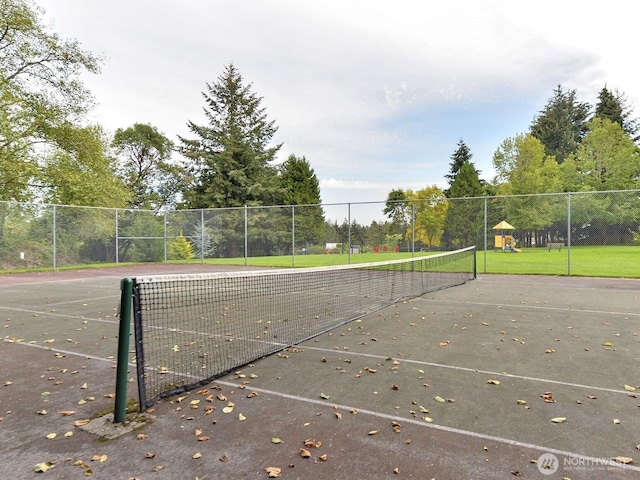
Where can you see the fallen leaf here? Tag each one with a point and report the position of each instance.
(559, 419)
(241, 417)
(51, 436)
(274, 472)
(276, 440)
(67, 413)
(196, 455)
(625, 460)
(616, 421)
(304, 453)
(43, 467)
(629, 388)
(547, 397)
(521, 402)
(157, 468)
(439, 399)
(373, 432)
(80, 423)
(324, 396)
(493, 382)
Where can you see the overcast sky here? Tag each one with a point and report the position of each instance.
(374, 94)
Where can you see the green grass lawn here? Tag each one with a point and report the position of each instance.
(593, 261)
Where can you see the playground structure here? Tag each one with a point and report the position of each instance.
(504, 238)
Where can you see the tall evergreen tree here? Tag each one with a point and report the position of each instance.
(461, 156)
(230, 158)
(561, 125)
(464, 216)
(299, 182)
(614, 106)
(300, 187)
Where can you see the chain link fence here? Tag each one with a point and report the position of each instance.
(566, 226)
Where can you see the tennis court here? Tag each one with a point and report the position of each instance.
(459, 383)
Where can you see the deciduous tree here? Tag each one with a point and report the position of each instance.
(145, 166)
(40, 94)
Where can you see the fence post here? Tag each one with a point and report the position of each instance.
(202, 236)
(349, 233)
(164, 233)
(413, 229)
(486, 220)
(117, 246)
(122, 371)
(293, 235)
(569, 234)
(53, 238)
(246, 240)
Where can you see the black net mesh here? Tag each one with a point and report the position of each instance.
(191, 329)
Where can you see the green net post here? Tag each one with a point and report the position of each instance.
(126, 297)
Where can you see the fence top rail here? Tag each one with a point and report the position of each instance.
(249, 207)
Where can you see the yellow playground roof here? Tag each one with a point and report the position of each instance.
(503, 226)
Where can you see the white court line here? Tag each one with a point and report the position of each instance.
(466, 369)
(458, 431)
(539, 307)
(54, 314)
(65, 352)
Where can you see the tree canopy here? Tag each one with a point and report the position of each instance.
(300, 187)
(229, 160)
(41, 94)
(145, 166)
(561, 124)
(614, 106)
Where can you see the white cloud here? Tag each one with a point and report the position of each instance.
(373, 92)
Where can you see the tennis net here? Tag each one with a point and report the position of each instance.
(191, 329)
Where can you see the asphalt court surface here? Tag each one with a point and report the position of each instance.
(459, 383)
